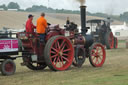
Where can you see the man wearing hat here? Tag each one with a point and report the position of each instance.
(29, 24)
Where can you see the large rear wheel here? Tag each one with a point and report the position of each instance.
(59, 53)
(97, 55)
(109, 40)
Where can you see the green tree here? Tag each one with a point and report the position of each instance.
(13, 5)
(124, 16)
(3, 6)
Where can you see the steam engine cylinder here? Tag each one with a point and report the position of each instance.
(86, 40)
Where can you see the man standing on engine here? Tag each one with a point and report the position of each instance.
(29, 24)
(41, 27)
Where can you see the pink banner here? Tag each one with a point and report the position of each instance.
(8, 45)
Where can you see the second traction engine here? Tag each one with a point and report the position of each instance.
(62, 48)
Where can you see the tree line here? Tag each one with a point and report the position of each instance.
(36, 8)
(11, 5)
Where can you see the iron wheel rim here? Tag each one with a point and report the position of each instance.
(61, 52)
(98, 55)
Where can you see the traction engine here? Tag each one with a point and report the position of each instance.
(62, 47)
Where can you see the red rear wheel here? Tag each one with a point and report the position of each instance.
(97, 55)
(109, 40)
(59, 53)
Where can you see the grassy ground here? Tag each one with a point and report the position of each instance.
(114, 72)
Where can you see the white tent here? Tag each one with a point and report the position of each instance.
(119, 27)
(120, 31)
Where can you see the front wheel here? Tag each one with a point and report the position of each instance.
(8, 67)
(97, 55)
(59, 53)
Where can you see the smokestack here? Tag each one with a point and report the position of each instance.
(108, 21)
(83, 19)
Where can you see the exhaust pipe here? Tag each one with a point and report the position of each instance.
(83, 19)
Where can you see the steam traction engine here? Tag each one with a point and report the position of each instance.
(101, 31)
(63, 47)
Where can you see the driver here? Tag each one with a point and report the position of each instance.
(41, 26)
(98, 26)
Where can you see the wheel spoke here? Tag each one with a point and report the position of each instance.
(100, 58)
(100, 54)
(53, 52)
(93, 58)
(54, 59)
(57, 61)
(54, 56)
(96, 60)
(65, 54)
(55, 49)
(62, 60)
(58, 45)
(62, 43)
(65, 58)
(63, 47)
(66, 50)
(60, 63)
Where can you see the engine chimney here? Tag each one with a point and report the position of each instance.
(83, 19)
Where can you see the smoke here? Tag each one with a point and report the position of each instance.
(82, 2)
(110, 8)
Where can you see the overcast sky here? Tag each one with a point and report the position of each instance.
(105, 6)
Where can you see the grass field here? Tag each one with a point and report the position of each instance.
(114, 72)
